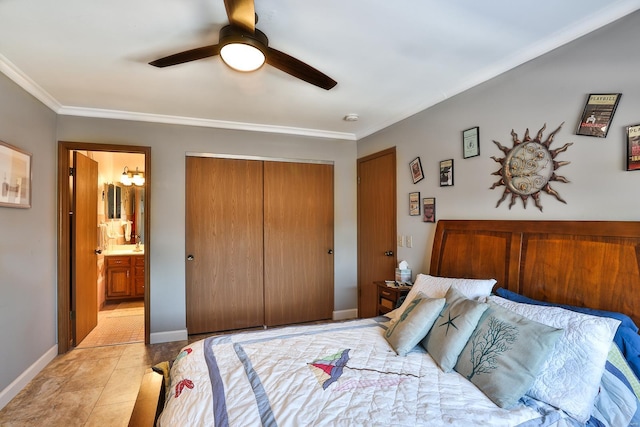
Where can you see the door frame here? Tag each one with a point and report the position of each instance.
(64, 233)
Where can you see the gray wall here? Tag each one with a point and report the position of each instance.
(28, 239)
(551, 89)
(169, 144)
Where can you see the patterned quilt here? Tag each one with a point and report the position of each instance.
(337, 374)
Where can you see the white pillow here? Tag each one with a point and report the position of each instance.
(570, 378)
(437, 287)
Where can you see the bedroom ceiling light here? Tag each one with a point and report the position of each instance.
(241, 50)
(132, 178)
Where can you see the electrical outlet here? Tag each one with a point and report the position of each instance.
(400, 240)
(409, 241)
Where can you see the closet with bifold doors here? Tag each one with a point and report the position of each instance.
(259, 243)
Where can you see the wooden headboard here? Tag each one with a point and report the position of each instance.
(584, 263)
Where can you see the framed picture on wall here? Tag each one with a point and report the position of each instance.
(471, 142)
(429, 209)
(414, 203)
(597, 114)
(15, 173)
(416, 170)
(633, 148)
(446, 173)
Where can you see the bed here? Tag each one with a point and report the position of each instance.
(566, 366)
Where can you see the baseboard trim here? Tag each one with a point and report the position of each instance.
(352, 313)
(30, 373)
(168, 336)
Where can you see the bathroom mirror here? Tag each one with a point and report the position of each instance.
(113, 202)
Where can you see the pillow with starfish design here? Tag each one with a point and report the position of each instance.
(453, 328)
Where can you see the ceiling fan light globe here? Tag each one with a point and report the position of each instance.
(242, 56)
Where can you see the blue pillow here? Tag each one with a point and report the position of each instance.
(626, 337)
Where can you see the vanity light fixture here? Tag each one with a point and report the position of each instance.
(132, 178)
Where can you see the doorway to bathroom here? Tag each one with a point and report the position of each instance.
(103, 246)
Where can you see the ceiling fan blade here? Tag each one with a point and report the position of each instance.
(241, 13)
(299, 69)
(187, 56)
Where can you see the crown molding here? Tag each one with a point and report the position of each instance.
(22, 80)
(191, 121)
(31, 87)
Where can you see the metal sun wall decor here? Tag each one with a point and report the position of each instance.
(528, 167)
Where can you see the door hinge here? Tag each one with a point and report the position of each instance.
(70, 171)
(72, 315)
(358, 180)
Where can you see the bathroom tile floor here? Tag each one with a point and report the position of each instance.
(118, 323)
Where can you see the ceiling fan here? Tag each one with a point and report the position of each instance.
(245, 48)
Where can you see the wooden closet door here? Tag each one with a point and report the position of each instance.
(298, 245)
(224, 244)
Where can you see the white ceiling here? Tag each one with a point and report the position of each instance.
(391, 59)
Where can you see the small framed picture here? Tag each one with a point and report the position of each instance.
(633, 148)
(416, 170)
(471, 142)
(446, 173)
(15, 173)
(429, 209)
(597, 114)
(414, 204)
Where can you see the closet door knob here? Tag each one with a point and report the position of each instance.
(98, 251)
(189, 257)
(389, 253)
(330, 251)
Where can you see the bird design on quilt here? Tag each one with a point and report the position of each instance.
(181, 385)
(185, 382)
(184, 353)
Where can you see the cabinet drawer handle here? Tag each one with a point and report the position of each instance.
(385, 293)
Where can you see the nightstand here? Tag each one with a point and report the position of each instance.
(388, 296)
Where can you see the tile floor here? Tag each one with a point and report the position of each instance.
(87, 387)
(118, 323)
(90, 387)
(97, 383)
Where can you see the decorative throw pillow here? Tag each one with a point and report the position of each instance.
(570, 377)
(452, 329)
(437, 287)
(406, 331)
(505, 354)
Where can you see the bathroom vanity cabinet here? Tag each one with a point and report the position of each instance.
(125, 277)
